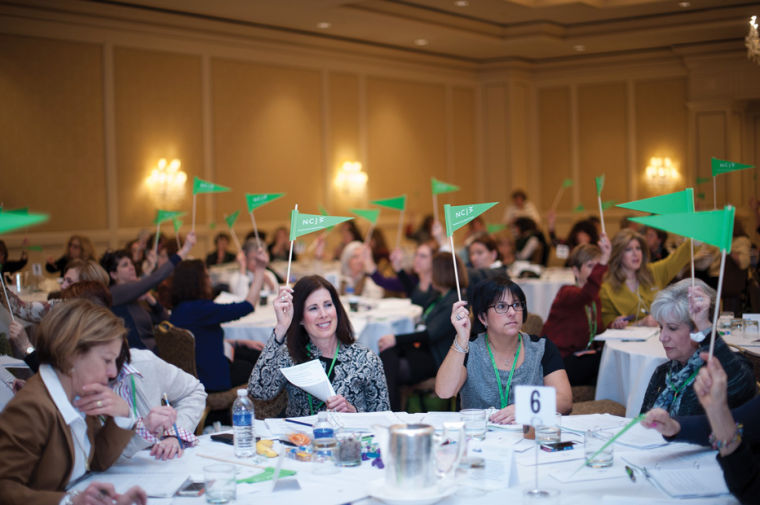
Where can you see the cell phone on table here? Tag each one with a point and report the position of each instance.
(190, 488)
(557, 446)
(225, 438)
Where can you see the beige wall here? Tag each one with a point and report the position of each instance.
(92, 108)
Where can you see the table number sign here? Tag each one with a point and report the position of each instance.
(535, 405)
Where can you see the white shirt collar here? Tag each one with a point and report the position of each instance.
(55, 388)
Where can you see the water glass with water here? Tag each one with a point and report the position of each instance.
(751, 329)
(475, 423)
(550, 433)
(593, 440)
(220, 483)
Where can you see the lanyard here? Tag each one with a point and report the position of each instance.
(504, 396)
(332, 364)
(134, 395)
(430, 307)
(591, 317)
(679, 390)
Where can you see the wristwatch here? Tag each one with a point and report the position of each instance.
(29, 350)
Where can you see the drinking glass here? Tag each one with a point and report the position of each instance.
(550, 433)
(593, 440)
(475, 423)
(449, 449)
(220, 483)
(349, 452)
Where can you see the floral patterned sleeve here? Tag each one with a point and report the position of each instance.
(29, 311)
(266, 380)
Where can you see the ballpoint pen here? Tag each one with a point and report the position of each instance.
(630, 473)
(165, 402)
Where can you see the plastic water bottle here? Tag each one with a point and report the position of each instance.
(242, 425)
(353, 300)
(324, 446)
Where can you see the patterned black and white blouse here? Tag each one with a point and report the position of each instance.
(358, 376)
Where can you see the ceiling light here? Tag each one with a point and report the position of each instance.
(579, 48)
(421, 42)
(684, 4)
(323, 25)
(462, 3)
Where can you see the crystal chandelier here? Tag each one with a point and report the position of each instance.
(753, 42)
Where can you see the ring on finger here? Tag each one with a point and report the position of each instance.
(99, 404)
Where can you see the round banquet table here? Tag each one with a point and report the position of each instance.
(540, 292)
(374, 319)
(626, 367)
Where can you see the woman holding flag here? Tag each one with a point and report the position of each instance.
(312, 324)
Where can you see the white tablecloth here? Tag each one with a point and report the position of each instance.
(540, 293)
(626, 368)
(352, 485)
(381, 317)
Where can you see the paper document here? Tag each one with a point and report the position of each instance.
(310, 377)
(156, 485)
(631, 333)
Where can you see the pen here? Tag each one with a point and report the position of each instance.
(165, 401)
(630, 473)
(299, 422)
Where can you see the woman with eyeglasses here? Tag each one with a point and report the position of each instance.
(486, 370)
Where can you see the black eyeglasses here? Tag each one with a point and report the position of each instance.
(503, 307)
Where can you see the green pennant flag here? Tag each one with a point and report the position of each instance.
(608, 203)
(11, 220)
(579, 208)
(212, 225)
(459, 215)
(368, 214)
(715, 227)
(255, 201)
(680, 201)
(567, 183)
(701, 196)
(702, 180)
(177, 224)
(201, 186)
(599, 185)
(495, 228)
(324, 212)
(22, 210)
(724, 166)
(37, 248)
(442, 187)
(397, 203)
(163, 215)
(232, 218)
(301, 224)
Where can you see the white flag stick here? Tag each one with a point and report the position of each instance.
(717, 301)
(155, 241)
(7, 300)
(601, 212)
(193, 227)
(290, 256)
(369, 234)
(235, 239)
(456, 272)
(558, 197)
(255, 230)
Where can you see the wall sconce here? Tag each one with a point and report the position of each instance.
(350, 179)
(662, 172)
(167, 182)
(752, 41)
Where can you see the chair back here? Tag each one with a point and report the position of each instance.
(176, 346)
(533, 324)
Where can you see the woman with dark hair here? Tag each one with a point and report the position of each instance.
(412, 357)
(127, 292)
(530, 244)
(313, 322)
(486, 370)
(78, 246)
(417, 285)
(484, 253)
(8, 266)
(348, 233)
(632, 282)
(195, 311)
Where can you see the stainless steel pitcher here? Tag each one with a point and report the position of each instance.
(409, 461)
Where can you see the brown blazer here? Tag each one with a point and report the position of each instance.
(37, 447)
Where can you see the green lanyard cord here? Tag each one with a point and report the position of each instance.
(678, 391)
(591, 317)
(332, 364)
(504, 395)
(134, 395)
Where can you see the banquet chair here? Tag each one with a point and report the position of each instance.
(598, 407)
(752, 358)
(533, 324)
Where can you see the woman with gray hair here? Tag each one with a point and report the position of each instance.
(684, 316)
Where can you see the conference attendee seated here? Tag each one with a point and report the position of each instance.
(220, 254)
(127, 291)
(78, 247)
(413, 357)
(312, 324)
(684, 316)
(194, 310)
(575, 317)
(417, 285)
(353, 273)
(8, 266)
(734, 433)
(66, 421)
(632, 282)
(582, 232)
(248, 259)
(656, 243)
(484, 253)
(485, 371)
(530, 243)
(279, 247)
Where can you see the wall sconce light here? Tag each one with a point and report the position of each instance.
(752, 41)
(350, 178)
(662, 172)
(167, 181)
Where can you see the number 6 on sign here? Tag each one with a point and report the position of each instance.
(535, 404)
